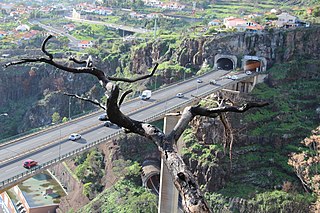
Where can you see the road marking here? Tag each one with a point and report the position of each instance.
(49, 153)
(12, 168)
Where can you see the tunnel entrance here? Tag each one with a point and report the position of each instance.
(151, 175)
(252, 65)
(153, 183)
(225, 64)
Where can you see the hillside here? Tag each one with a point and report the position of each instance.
(258, 178)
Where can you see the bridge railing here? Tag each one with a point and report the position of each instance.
(37, 169)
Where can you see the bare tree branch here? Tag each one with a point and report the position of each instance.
(86, 99)
(71, 58)
(43, 47)
(123, 96)
(136, 79)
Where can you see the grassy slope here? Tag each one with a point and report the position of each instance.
(291, 116)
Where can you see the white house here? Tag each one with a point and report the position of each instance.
(85, 44)
(23, 27)
(285, 19)
(152, 3)
(215, 22)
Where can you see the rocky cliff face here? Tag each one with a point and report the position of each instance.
(32, 93)
(274, 45)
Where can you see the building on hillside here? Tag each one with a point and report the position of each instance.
(85, 44)
(69, 27)
(152, 3)
(103, 11)
(136, 15)
(7, 7)
(154, 15)
(286, 20)
(23, 27)
(242, 25)
(172, 6)
(215, 22)
(2, 34)
(75, 14)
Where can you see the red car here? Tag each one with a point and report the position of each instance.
(29, 163)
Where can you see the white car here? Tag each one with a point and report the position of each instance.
(199, 80)
(234, 77)
(180, 95)
(213, 82)
(74, 136)
(248, 72)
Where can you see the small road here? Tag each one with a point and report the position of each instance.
(73, 40)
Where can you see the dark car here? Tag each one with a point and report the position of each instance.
(103, 117)
(29, 163)
(108, 124)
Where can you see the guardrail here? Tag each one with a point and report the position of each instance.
(34, 170)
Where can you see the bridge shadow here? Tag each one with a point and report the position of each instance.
(81, 141)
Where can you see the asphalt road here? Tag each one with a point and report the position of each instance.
(54, 142)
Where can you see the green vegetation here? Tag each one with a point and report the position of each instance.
(293, 101)
(90, 171)
(127, 194)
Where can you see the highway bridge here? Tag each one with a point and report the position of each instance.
(50, 146)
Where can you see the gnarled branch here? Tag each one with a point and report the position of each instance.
(87, 99)
(135, 79)
(123, 96)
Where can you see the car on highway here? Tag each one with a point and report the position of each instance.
(29, 163)
(74, 136)
(103, 117)
(108, 124)
(199, 80)
(234, 77)
(248, 72)
(180, 95)
(213, 82)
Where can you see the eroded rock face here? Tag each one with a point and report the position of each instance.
(274, 45)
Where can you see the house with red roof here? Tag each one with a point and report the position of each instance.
(2, 34)
(215, 22)
(85, 44)
(241, 24)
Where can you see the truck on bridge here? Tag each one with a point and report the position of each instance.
(145, 95)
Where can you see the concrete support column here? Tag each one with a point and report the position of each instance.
(168, 194)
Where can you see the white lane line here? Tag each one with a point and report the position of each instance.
(12, 168)
(49, 153)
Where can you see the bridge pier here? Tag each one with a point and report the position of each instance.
(168, 195)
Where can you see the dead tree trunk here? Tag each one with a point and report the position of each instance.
(192, 198)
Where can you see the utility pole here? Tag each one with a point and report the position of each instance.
(69, 108)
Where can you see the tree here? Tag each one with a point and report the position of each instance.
(55, 117)
(307, 165)
(184, 180)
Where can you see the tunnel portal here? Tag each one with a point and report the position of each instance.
(225, 64)
(252, 65)
(151, 175)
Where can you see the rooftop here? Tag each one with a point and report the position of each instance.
(41, 190)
